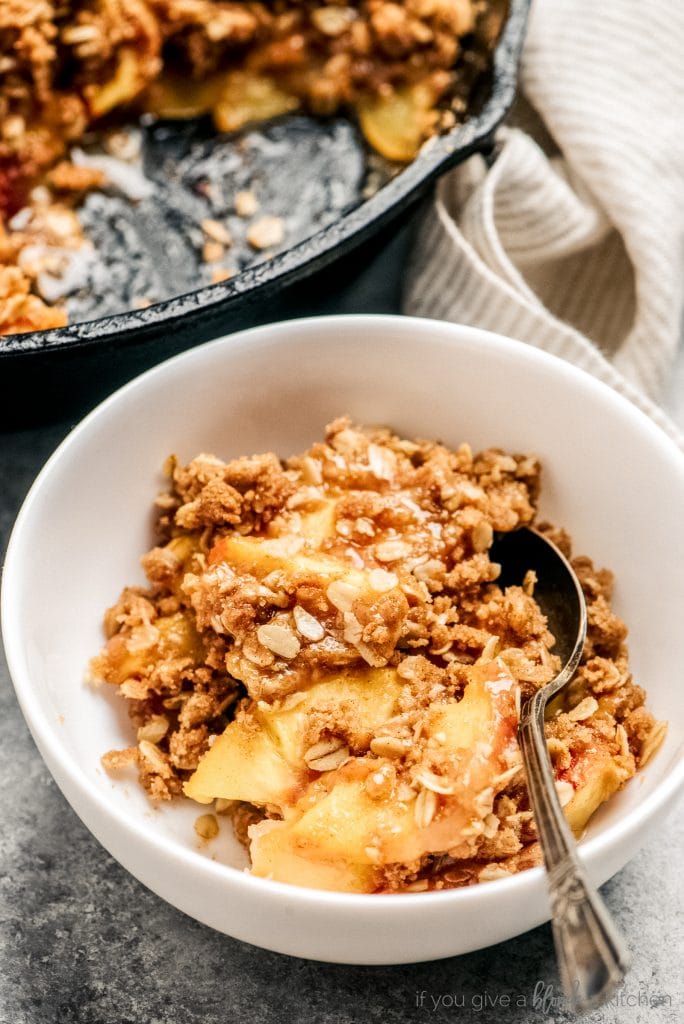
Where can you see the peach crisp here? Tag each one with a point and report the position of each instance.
(324, 657)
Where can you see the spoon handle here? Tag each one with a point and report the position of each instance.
(592, 958)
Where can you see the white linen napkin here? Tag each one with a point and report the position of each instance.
(573, 240)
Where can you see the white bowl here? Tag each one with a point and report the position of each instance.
(611, 477)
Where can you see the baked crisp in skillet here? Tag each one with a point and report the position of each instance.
(406, 69)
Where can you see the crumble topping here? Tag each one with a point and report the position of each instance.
(323, 640)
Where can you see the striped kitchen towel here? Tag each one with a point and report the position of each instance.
(573, 239)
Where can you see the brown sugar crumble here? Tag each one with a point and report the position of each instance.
(323, 653)
(405, 69)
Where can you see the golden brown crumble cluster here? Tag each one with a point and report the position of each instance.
(407, 69)
(324, 640)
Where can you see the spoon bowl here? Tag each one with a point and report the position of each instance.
(557, 591)
(592, 958)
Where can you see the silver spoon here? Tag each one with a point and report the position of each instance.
(592, 957)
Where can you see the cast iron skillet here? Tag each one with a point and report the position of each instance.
(64, 371)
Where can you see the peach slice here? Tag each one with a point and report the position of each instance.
(337, 820)
(260, 756)
(595, 776)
